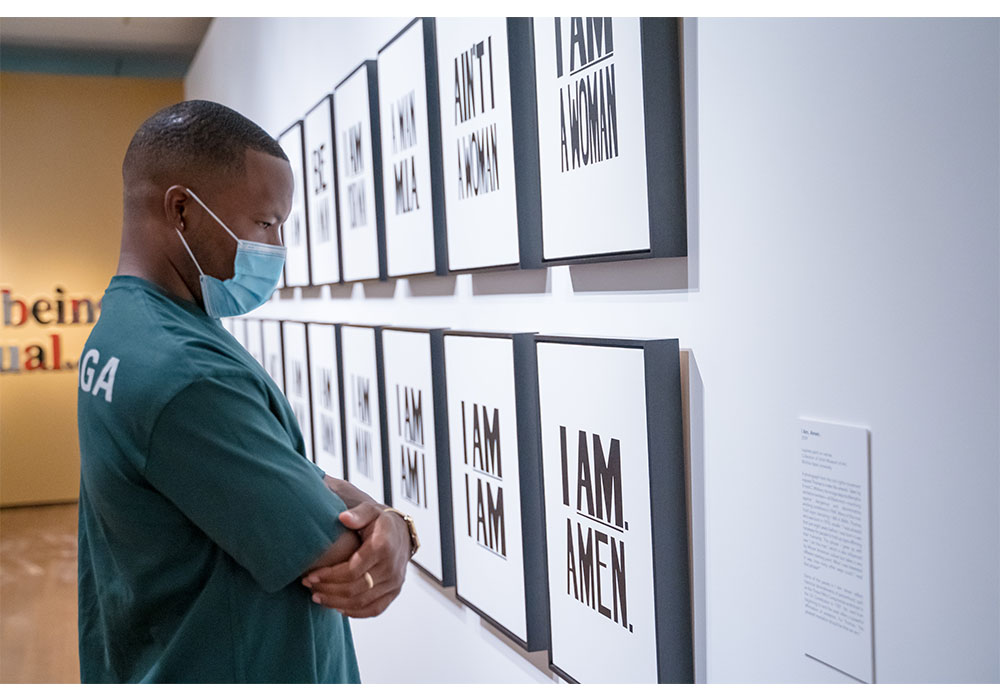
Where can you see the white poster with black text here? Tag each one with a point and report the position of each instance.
(358, 174)
(485, 484)
(477, 141)
(272, 352)
(597, 512)
(238, 328)
(254, 340)
(325, 380)
(297, 379)
(293, 231)
(412, 439)
(324, 251)
(406, 155)
(362, 413)
(610, 138)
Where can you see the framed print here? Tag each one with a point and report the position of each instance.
(489, 139)
(320, 185)
(270, 333)
(296, 354)
(359, 175)
(324, 378)
(410, 126)
(255, 340)
(496, 484)
(295, 231)
(417, 426)
(610, 139)
(616, 524)
(238, 329)
(364, 410)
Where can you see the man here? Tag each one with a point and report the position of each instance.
(211, 549)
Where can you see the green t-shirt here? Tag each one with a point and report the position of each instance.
(198, 509)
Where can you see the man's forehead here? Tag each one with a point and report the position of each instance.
(267, 166)
(269, 180)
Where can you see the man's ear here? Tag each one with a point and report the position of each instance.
(175, 203)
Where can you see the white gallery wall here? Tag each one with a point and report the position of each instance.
(844, 238)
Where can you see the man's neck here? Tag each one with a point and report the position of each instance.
(151, 264)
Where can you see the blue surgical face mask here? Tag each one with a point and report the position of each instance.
(257, 270)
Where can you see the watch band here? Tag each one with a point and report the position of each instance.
(414, 540)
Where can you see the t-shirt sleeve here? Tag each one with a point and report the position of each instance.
(220, 455)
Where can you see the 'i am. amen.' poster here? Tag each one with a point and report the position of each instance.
(613, 468)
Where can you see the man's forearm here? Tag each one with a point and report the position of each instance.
(350, 494)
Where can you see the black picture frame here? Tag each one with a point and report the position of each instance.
(370, 67)
(441, 448)
(668, 504)
(434, 146)
(253, 328)
(524, 134)
(524, 115)
(339, 398)
(326, 104)
(237, 328)
(536, 592)
(660, 48)
(281, 350)
(340, 393)
(383, 430)
(286, 325)
(298, 125)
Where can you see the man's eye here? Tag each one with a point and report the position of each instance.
(265, 224)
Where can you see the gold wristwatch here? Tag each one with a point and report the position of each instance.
(414, 540)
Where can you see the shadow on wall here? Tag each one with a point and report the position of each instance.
(380, 289)
(652, 275)
(511, 282)
(432, 285)
(341, 291)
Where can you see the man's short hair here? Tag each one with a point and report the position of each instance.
(195, 136)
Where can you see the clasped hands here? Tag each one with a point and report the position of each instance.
(365, 584)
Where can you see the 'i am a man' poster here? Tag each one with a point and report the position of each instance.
(411, 152)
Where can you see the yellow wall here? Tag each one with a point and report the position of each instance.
(62, 139)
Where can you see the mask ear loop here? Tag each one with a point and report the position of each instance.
(189, 252)
(212, 214)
